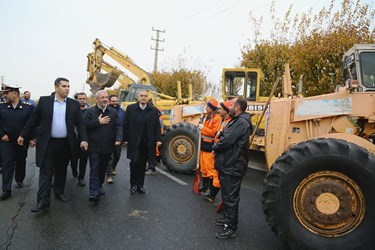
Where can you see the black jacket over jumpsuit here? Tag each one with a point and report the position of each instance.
(231, 159)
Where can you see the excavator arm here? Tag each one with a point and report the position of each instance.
(123, 78)
(98, 80)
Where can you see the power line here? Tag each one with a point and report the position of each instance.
(221, 12)
(199, 11)
(241, 15)
(227, 9)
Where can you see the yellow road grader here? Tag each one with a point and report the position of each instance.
(320, 154)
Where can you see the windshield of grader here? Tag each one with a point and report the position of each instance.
(131, 94)
(367, 60)
(240, 83)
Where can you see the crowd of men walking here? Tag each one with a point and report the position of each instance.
(66, 130)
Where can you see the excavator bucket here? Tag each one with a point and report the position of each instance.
(104, 80)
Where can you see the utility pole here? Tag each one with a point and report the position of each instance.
(2, 79)
(157, 40)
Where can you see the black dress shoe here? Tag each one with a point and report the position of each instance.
(141, 190)
(5, 195)
(39, 209)
(74, 172)
(133, 189)
(93, 198)
(62, 197)
(81, 182)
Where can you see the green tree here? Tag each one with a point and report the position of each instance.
(179, 70)
(166, 82)
(313, 45)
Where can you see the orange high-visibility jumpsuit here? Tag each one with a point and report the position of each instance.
(223, 124)
(206, 159)
(161, 119)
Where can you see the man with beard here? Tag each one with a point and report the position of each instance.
(82, 155)
(115, 156)
(27, 98)
(231, 158)
(104, 132)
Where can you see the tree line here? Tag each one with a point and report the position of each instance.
(312, 44)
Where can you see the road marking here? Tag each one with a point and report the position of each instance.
(171, 177)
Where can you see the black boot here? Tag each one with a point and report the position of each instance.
(213, 192)
(205, 183)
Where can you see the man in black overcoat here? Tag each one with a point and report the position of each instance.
(141, 134)
(56, 117)
(104, 132)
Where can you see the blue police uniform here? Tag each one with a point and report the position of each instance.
(12, 121)
(2, 99)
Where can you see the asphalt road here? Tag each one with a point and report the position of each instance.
(169, 216)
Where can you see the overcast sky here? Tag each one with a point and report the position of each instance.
(41, 40)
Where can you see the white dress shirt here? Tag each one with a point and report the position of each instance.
(59, 129)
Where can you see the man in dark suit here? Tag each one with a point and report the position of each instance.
(141, 134)
(82, 156)
(116, 155)
(104, 132)
(56, 117)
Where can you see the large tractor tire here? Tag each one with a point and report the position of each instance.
(179, 148)
(320, 194)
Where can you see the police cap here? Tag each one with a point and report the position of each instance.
(9, 87)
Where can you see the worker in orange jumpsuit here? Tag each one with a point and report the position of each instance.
(209, 129)
(223, 111)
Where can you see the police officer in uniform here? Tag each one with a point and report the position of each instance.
(13, 116)
(2, 99)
